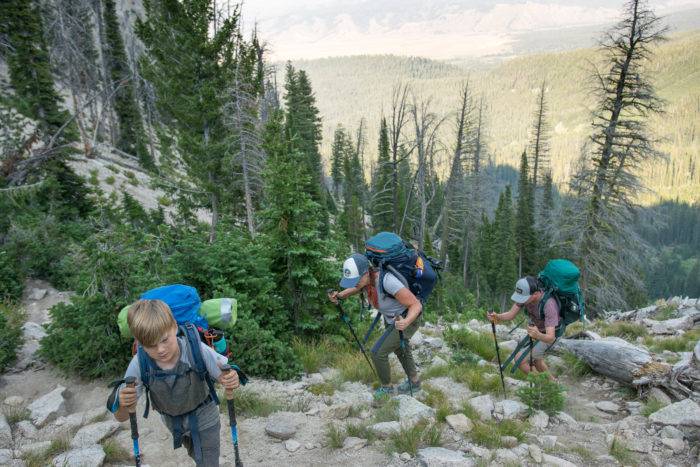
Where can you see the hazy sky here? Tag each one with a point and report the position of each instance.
(433, 28)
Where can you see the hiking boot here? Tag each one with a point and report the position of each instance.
(406, 386)
(383, 393)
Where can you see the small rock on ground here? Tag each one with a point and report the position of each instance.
(608, 407)
(14, 401)
(5, 432)
(352, 443)
(282, 425)
(90, 435)
(385, 430)
(539, 420)
(292, 445)
(685, 412)
(442, 457)
(483, 405)
(91, 456)
(556, 461)
(48, 407)
(460, 423)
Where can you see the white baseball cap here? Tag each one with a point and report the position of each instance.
(524, 288)
(354, 268)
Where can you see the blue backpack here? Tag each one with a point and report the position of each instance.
(412, 267)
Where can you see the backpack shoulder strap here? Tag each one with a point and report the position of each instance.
(193, 342)
(146, 367)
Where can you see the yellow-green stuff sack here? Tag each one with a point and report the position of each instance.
(220, 313)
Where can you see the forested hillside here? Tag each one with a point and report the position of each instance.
(349, 89)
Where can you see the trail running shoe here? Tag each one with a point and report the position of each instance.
(383, 392)
(405, 387)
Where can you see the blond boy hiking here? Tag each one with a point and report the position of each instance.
(182, 395)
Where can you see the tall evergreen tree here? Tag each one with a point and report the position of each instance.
(382, 205)
(525, 237)
(338, 153)
(353, 191)
(131, 137)
(607, 185)
(539, 143)
(303, 125)
(30, 70)
(191, 70)
(292, 225)
(504, 253)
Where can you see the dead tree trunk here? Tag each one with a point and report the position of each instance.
(619, 360)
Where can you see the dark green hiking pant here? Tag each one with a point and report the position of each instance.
(390, 342)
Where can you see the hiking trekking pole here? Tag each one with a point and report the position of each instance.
(232, 418)
(402, 344)
(131, 382)
(532, 349)
(498, 356)
(345, 319)
(516, 326)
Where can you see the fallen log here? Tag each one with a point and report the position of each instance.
(635, 366)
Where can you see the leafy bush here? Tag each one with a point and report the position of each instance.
(10, 335)
(83, 337)
(11, 278)
(542, 393)
(260, 353)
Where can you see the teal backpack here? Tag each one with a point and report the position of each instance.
(559, 280)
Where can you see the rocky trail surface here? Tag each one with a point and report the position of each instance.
(51, 419)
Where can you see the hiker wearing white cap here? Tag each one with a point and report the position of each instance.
(401, 311)
(528, 295)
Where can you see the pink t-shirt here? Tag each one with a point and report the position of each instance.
(551, 314)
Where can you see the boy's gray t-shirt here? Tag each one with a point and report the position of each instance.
(208, 414)
(389, 307)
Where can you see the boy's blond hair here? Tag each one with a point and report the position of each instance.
(149, 321)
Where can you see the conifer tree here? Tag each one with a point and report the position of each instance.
(353, 191)
(504, 253)
(30, 70)
(338, 153)
(191, 71)
(525, 237)
(607, 184)
(292, 225)
(382, 193)
(131, 137)
(539, 144)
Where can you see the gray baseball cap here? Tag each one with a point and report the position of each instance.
(524, 288)
(354, 268)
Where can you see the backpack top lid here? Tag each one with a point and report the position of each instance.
(561, 275)
(183, 301)
(385, 246)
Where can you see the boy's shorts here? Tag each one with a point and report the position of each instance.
(538, 351)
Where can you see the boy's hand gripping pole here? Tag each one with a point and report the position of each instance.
(232, 419)
(131, 382)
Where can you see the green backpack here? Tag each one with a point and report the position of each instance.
(559, 280)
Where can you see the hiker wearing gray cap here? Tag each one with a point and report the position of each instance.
(401, 311)
(528, 294)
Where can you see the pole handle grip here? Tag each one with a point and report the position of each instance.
(130, 382)
(229, 392)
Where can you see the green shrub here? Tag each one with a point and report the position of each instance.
(432, 435)
(359, 430)
(542, 394)
(326, 388)
(407, 439)
(10, 334)
(83, 338)
(477, 378)
(11, 278)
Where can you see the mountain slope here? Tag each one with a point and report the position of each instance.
(350, 88)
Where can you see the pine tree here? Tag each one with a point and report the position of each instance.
(191, 71)
(291, 223)
(525, 237)
(382, 193)
(539, 144)
(607, 184)
(303, 125)
(338, 153)
(30, 70)
(353, 191)
(504, 253)
(131, 135)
